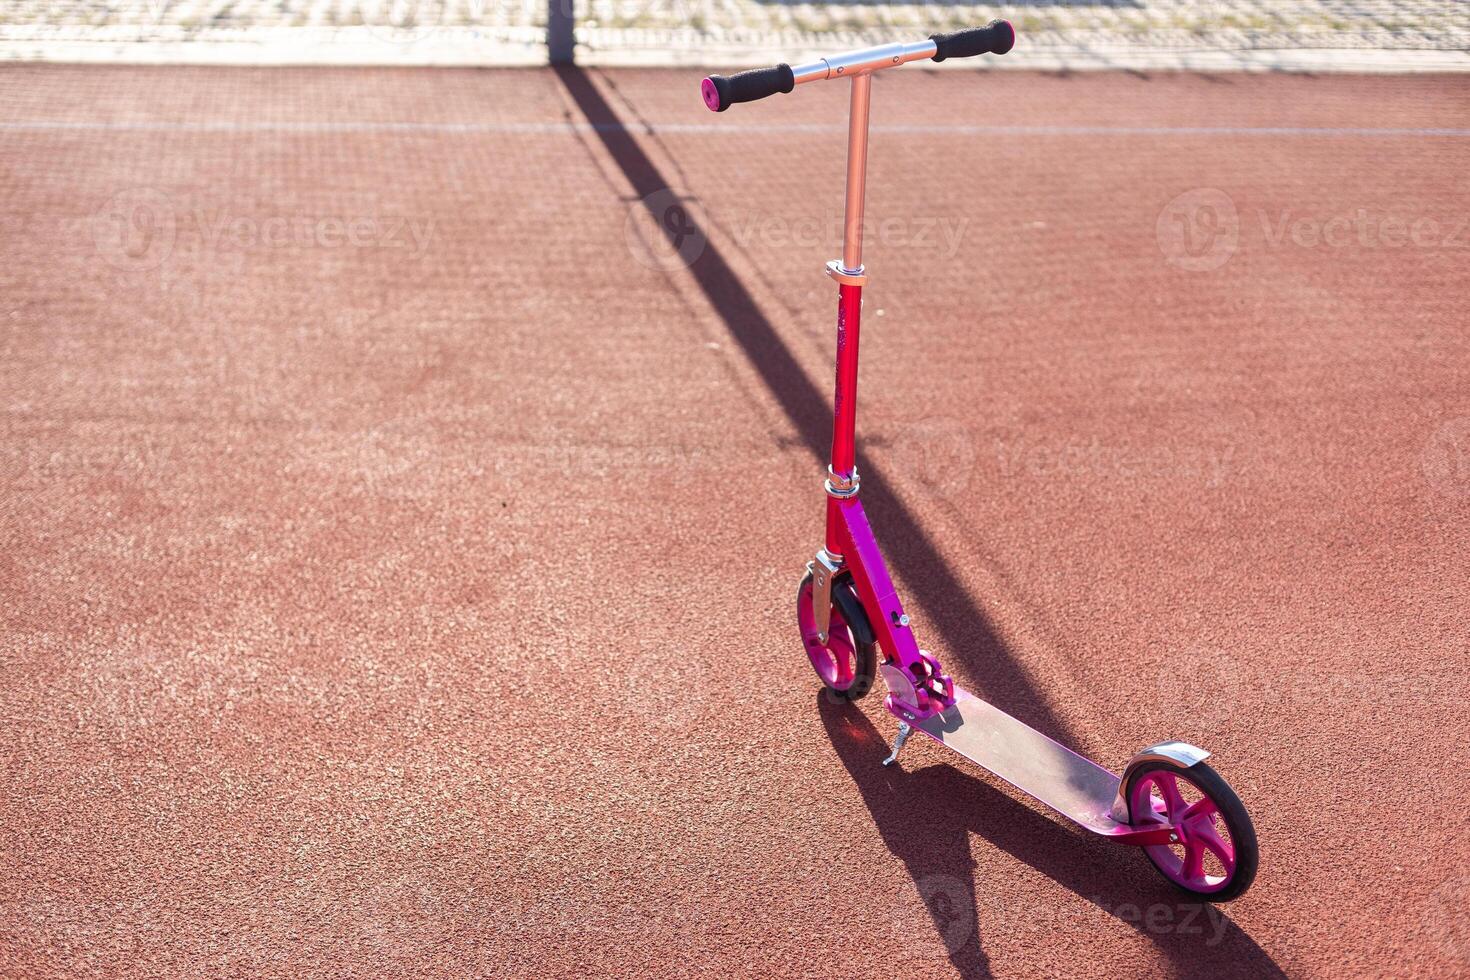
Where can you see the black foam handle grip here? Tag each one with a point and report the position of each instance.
(720, 93)
(996, 37)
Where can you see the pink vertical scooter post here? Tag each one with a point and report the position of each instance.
(1168, 801)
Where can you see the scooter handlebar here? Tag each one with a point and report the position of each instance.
(996, 37)
(720, 93)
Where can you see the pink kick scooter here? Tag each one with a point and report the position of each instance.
(1189, 822)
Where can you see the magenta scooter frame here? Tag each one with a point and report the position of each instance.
(917, 688)
(1168, 801)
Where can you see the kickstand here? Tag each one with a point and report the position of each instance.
(903, 736)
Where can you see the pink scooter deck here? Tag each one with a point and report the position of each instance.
(1074, 786)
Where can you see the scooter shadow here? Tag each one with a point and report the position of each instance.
(925, 818)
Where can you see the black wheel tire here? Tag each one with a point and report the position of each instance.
(865, 646)
(1232, 811)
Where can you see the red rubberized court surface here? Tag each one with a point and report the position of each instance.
(400, 537)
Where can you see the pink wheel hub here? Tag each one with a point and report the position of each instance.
(836, 660)
(1203, 859)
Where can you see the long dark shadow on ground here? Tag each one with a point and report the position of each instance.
(967, 631)
(926, 818)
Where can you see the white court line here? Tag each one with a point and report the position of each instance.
(713, 129)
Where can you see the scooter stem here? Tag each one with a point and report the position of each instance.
(850, 275)
(857, 173)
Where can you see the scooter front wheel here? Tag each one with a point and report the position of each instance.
(1215, 856)
(846, 662)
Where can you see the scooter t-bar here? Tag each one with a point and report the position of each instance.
(720, 93)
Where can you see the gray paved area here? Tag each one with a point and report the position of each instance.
(1300, 34)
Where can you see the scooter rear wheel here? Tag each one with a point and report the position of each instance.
(846, 662)
(1216, 856)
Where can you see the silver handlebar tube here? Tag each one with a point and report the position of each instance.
(859, 66)
(864, 60)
